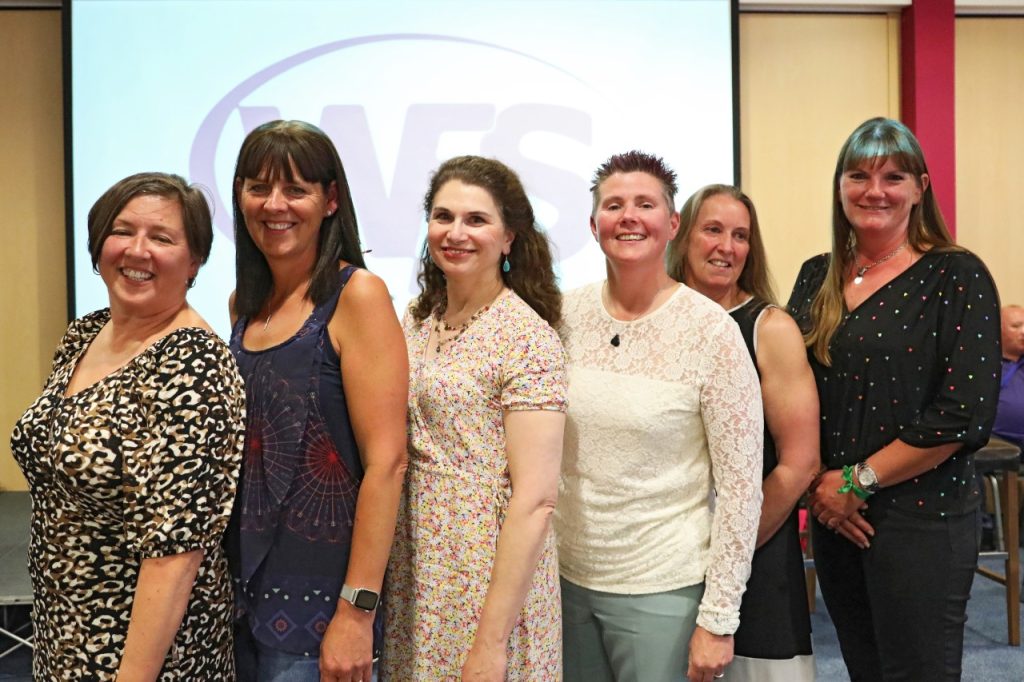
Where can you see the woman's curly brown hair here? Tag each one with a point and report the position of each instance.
(531, 275)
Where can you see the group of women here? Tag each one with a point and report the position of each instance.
(336, 495)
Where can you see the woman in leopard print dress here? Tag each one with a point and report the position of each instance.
(132, 454)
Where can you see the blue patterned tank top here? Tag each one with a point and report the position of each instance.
(291, 531)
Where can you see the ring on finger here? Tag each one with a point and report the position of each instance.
(719, 676)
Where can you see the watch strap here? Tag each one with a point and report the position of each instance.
(360, 597)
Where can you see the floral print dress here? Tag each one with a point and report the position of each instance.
(457, 493)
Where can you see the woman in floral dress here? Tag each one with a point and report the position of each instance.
(473, 584)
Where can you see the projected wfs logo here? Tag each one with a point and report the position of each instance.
(396, 106)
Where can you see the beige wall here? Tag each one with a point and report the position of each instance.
(33, 298)
(990, 146)
(806, 81)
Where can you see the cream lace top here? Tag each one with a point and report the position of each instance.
(661, 472)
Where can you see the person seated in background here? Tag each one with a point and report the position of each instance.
(1009, 422)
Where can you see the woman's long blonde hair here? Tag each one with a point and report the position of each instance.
(875, 141)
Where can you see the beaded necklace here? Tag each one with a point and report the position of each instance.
(442, 324)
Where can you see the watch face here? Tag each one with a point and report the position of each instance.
(866, 476)
(366, 600)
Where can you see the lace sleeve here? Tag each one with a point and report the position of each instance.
(734, 422)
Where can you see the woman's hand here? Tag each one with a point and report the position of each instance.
(709, 654)
(840, 512)
(485, 663)
(346, 652)
(829, 505)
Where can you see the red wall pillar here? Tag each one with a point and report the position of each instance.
(927, 104)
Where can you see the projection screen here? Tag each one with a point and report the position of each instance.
(550, 87)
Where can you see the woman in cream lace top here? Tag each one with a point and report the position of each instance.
(660, 493)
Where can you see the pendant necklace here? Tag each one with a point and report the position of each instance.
(616, 340)
(862, 269)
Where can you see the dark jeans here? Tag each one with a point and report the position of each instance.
(255, 662)
(899, 607)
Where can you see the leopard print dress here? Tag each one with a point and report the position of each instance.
(142, 464)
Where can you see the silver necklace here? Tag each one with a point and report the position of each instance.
(862, 269)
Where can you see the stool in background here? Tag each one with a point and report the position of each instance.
(1003, 458)
(15, 586)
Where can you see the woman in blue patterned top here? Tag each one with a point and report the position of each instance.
(324, 362)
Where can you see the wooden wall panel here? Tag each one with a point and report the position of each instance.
(990, 146)
(33, 298)
(806, 81)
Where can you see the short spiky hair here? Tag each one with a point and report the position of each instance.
(636, 162)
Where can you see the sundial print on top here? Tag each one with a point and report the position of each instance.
(293, 462)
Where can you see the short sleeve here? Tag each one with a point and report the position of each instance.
(181, 467)
(967, 339)
(534, 374)
(78, 334)
(808, 282)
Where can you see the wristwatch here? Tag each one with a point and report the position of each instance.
(866, 478)
(360, 597)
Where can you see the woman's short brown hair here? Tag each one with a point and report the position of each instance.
(195, 211)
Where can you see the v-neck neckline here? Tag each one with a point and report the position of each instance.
(885, 285)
